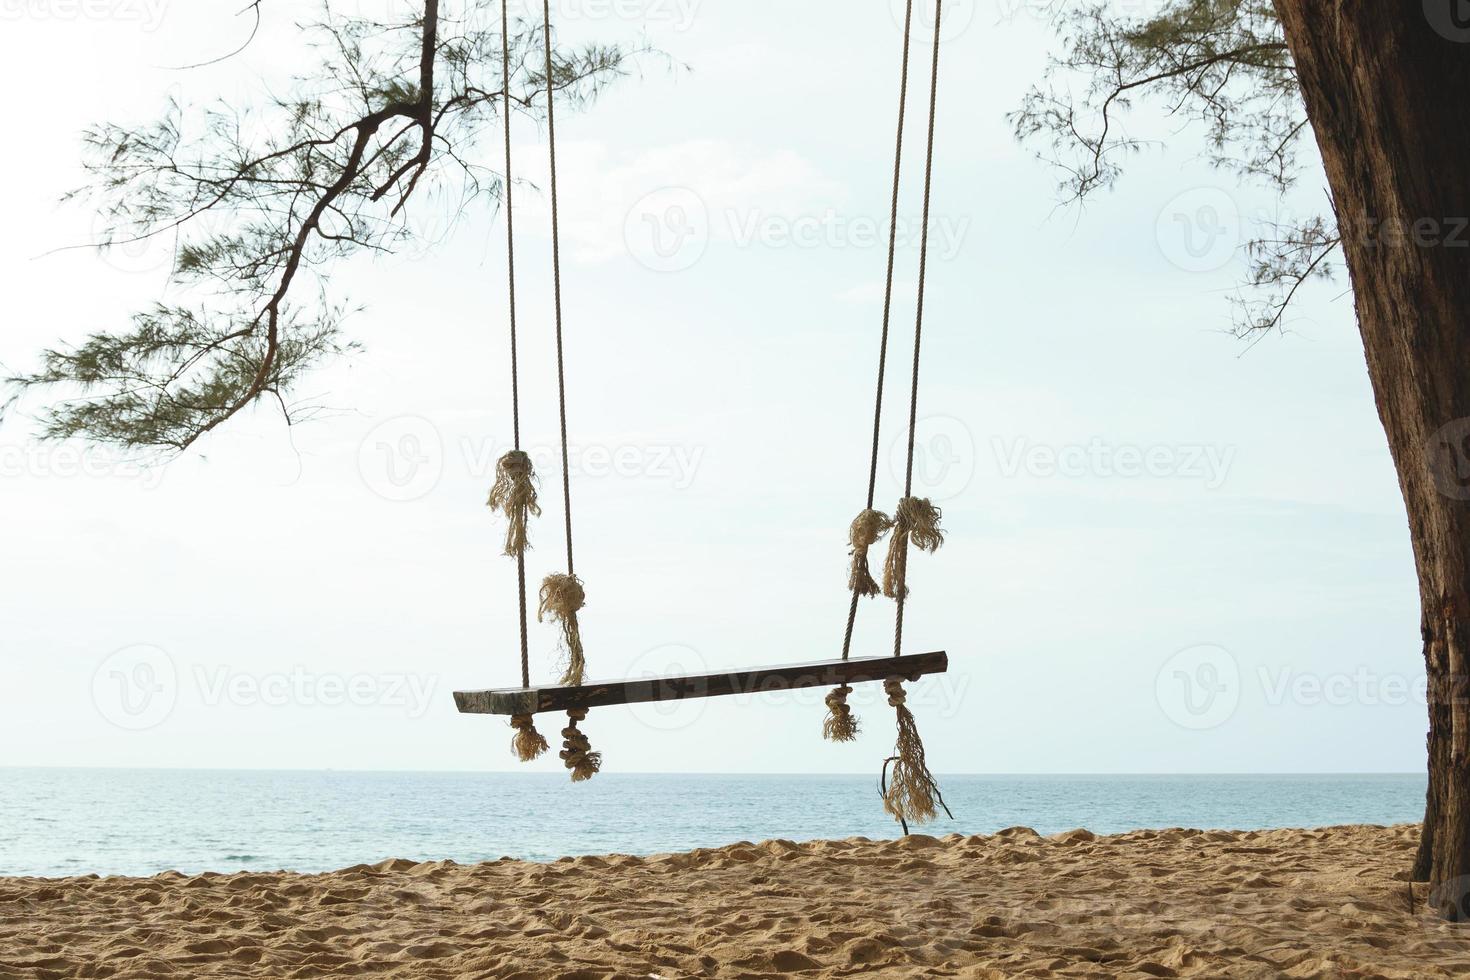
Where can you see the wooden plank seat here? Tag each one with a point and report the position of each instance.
(757, 680)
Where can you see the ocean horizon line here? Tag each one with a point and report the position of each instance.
(1192, 774)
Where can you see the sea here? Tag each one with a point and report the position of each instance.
(63, 822)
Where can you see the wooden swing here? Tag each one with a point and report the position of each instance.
(910, 792)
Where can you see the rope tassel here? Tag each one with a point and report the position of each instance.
(576, 750)
(561, 597)
(840, 725)
(527, 743)
(911, 792)
(514, 495)
(916, 520)
(867, 528)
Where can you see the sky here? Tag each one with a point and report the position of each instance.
(1167, 551)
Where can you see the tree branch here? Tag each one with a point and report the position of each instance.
(257, 200)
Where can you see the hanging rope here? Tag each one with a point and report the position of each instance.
(913, 792)
(514, 492)
(916, 518)
(561, 383)
(870, 525)
(873, 528)
(563, 595)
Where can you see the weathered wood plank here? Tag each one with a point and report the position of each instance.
(789, 677)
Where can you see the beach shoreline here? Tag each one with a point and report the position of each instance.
(1329, 902)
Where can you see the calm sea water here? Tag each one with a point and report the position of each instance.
(137, 822)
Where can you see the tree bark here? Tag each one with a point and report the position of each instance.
(1387, 88)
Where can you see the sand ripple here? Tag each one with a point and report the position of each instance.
(1172, 903)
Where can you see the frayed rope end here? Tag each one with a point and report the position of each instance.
(527, 743)
(840, 725)
(866, 529)
(916, 520)
(561, 597)
(514, 495)
(910, 793)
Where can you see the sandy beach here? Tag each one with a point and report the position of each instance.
(1288, 903)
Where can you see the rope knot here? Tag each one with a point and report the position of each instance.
(515, 463)
(527, 743)
(916, 520)
(866, 529)
(514, 495)
(840, 725)
(561, 597)
(576, 753)
(893, 687)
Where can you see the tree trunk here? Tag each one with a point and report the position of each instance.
(1387, 89)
